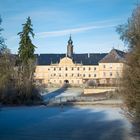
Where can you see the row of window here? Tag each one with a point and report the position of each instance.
(66, 68)
(117, 67)
(89, 75)
(72, 81)
(78, 75)
(110, 74)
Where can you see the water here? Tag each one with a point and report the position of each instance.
(67, 123)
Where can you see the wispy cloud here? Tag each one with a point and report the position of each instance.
(39, 15)
(70, 31)
(82, 28)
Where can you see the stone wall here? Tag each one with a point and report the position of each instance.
(98, 90)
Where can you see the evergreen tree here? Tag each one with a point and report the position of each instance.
(26, 49)
(130, 34)
(26, 66)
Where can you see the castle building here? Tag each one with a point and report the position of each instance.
(78, 69)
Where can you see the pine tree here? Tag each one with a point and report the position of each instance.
(26, 65)
(26, 49)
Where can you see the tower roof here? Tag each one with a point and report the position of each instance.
(70, 40)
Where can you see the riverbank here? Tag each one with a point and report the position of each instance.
(111, 103)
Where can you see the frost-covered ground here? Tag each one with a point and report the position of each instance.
(68, 123)
(62, 92)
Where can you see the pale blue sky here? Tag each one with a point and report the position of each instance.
(92, 23)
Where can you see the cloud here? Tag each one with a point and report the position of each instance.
(41, 14)
(70, 31)
(89, 26)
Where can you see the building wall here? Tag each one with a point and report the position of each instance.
(41, 74)
(110, 72)
(78, 74)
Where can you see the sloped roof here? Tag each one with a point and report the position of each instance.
(114, 56)
(47, 59)
(85, 59)
(88, 59)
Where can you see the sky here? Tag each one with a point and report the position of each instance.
(91, 23)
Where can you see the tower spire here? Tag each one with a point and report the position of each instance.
(70, 40)
(70, 47)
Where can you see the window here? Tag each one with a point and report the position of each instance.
(117, 73)
(83, 68)
(110, 73)
(95, 68)
(54, 69)
(54, 74)
(83, 75)
(89, 75)
(104, 74)
(94, 75)
(66, 68)
(78, 68)
(66, 74)
(59, 75)
(104, 66)
(59, 68)
(110, 65)
(78, 74)
(72, 68)
(89, 68)
(72, 74)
